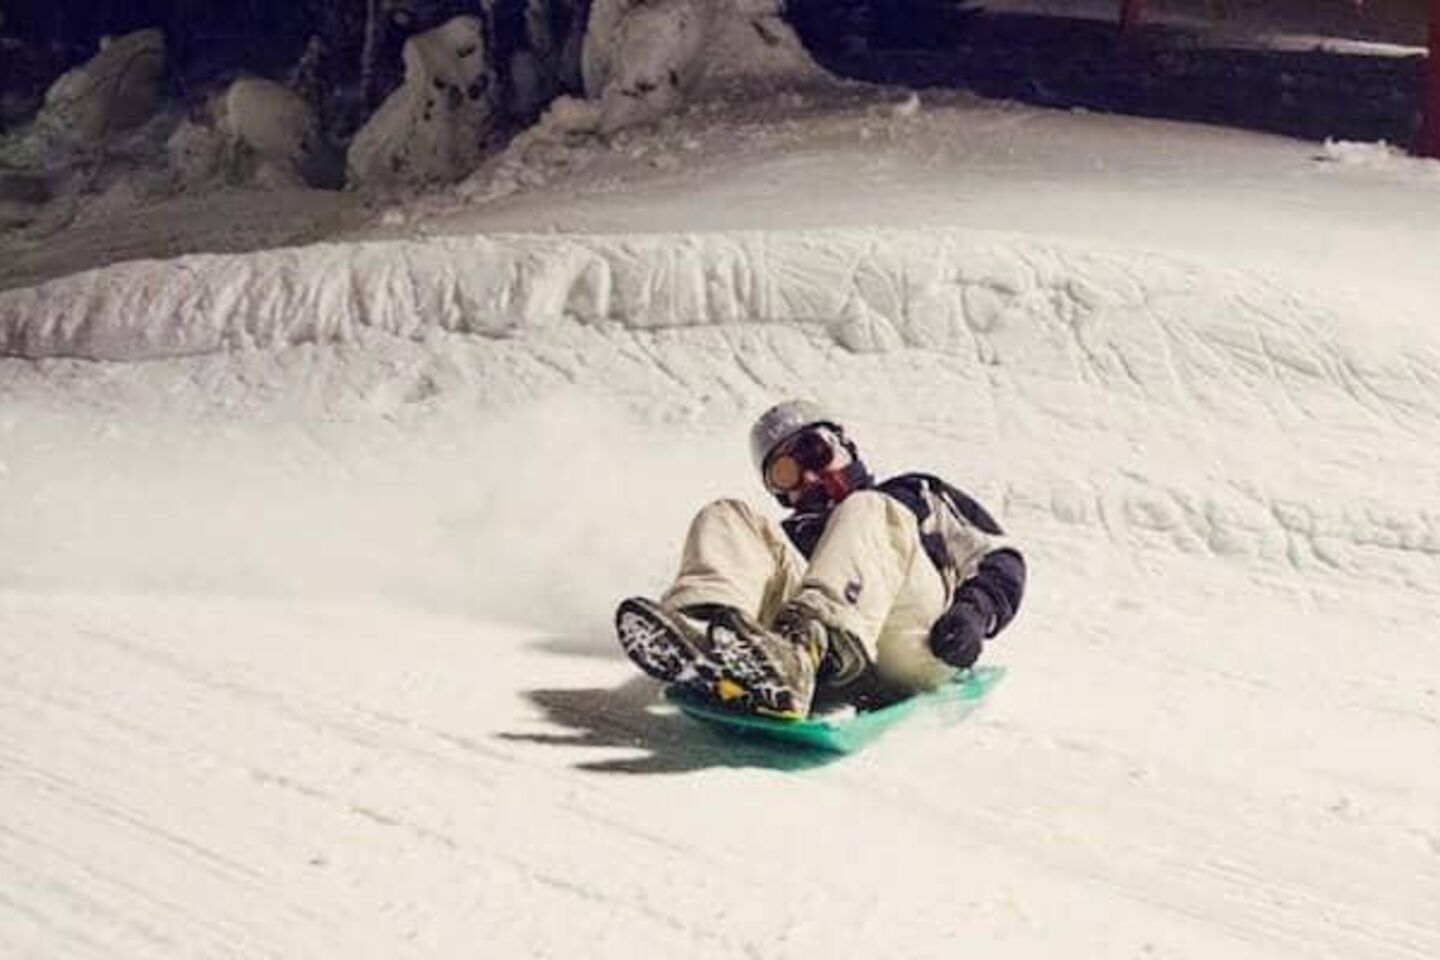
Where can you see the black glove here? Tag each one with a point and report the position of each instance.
(959, 635)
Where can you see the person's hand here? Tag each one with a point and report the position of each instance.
(959, 635)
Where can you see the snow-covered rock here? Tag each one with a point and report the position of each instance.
(119, 89)
(643, 58)
(433, 128)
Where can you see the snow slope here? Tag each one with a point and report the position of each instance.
(1352, 220)
(310, 557)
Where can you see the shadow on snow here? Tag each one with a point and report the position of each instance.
(632, 716)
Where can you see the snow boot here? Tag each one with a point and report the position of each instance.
(777, 670)
(676, 646)
(839, 656)
(666, 644)
(720, 653)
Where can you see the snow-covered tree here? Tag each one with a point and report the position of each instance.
(642, 58)
(432, 129)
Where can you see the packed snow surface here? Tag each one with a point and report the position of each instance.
(310, 556)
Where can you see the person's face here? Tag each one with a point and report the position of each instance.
(799, 465)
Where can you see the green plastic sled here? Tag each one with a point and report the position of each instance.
(844, 731)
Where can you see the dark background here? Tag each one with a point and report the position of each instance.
(209, 41)
(1051, 61)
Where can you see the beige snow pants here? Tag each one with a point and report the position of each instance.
(868, 575)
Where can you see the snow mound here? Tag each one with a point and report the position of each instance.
(1154, 327)
(953, 291)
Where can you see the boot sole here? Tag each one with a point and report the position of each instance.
(735, 672)
(660, 647)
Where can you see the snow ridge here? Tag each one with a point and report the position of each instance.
(1133, 324)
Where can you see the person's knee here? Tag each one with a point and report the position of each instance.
(729, 509)
(735, 516)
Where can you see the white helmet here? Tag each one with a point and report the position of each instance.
(783, 421)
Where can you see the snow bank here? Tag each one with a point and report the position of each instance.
(958, 292)
(872, 291)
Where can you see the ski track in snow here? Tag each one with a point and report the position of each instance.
(333, 800)
(286, 672)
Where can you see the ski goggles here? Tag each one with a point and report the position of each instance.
(812, 449)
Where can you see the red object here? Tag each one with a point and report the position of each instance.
(1130, 12)
(1430, 95)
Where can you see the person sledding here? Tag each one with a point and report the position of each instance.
(865, 593)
